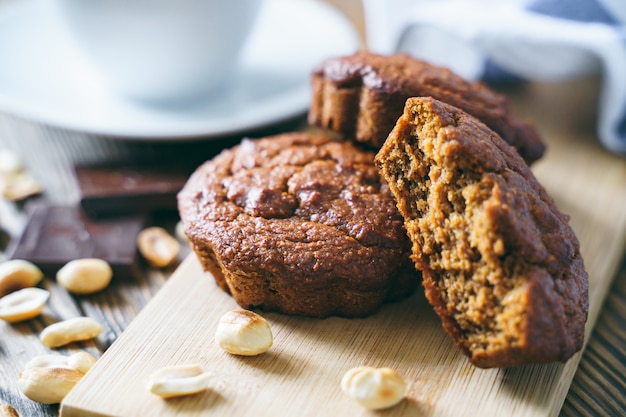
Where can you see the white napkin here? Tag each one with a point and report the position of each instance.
(534, 39)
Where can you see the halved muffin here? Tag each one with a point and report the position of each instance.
(500, 264)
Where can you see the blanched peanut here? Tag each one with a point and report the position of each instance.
(7, 411)
(48, 378)
(158, 247)
(176, 381)
(23, 304)
(17, 274)
(19, 186)
(68, 331)
(243, 332)
(48, 385)
(10, 162)
(48, 361)
(374, 388)
(85, 276)
(15, 183)
(80, 361)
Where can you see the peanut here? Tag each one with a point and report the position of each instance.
(17, 274)
(374, 388)
(23, 304)
(48, 385)
(85, 276)
(48, 361)
(19, 186)
(243, 332)
(10, 162)
(68, 331)
(158, 247)
(15, 183)
(80, 361)
(176, 381)
(7, 411)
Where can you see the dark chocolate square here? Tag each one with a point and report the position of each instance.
(57, 234)
(112, 190)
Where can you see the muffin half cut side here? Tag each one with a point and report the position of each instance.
(500, 264)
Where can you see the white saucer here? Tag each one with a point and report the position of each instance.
(43, 79)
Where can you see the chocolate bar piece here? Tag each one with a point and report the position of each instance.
(57, 234)
(113, 190)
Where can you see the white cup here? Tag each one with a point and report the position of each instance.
(161, 50)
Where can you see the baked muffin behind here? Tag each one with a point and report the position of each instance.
(500, 264)
(301, 224)
(362, 95)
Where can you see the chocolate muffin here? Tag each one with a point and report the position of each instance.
(361, 96)
(298, 223)
(500, 264)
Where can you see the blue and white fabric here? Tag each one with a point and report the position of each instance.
(541, 40)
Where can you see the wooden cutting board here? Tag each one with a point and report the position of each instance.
(301, 373)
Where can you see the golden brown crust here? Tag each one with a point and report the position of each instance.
(500, 264)
(298, 223)
(362, 96)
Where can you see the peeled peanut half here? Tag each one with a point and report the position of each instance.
(72, 330)
(158, 247)
(175, 381)
(48, 361)
(85, 276)
(374, 388)
(23, 305)
(48, 385)
(49, 378)
(244, 332)
(19, 186)
(16, 274)
(81, 361)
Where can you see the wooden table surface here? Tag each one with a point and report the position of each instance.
(49, 153)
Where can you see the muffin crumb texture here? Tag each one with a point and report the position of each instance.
(500, 263)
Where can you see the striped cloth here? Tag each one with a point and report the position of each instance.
(541, 40)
